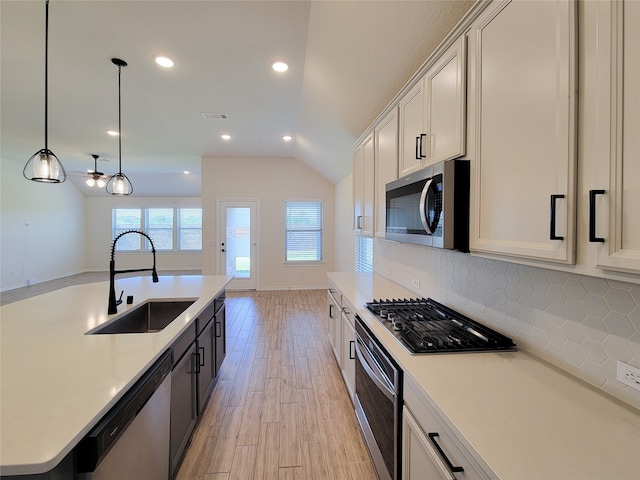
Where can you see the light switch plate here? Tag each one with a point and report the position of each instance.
(628, 375)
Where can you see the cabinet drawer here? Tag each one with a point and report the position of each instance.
(431, 425)
(181, 345)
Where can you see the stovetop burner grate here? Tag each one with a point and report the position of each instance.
(426, 326)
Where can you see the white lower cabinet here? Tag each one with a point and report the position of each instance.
(349, 351)
(334, 326)
(430, 449)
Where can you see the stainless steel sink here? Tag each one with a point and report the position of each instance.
(149, 317)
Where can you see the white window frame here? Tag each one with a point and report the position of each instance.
(322, 239)
(143, 243)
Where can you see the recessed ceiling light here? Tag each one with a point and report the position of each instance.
(287, 138)
(225, 137)
(113, 133)
(280, 66)
(186, 172)
(164, 61)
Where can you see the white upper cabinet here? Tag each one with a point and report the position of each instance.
(363, 188)
(386, 165)
(412, 130)
(432, 113)
(610, 141)
(522, 117)
(445, 90)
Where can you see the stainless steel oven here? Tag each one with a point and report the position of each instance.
(431, 206)
(378, 402)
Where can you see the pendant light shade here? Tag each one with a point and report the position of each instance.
(44, 166)
(119, 184)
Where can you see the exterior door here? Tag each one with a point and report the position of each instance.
(237, 242)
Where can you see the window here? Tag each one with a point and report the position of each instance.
(171, 229)
(303, 231)
(364, 254)
(189, 229)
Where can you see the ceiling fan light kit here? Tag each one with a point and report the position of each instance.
(119, 184)
(44, 166)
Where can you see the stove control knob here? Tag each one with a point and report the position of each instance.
(391, 317)
(398, 326)
(384, 313)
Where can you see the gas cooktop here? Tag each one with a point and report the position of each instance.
(426, 326)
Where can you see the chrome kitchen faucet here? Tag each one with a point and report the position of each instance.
(113, 303)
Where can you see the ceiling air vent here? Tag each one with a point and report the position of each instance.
(215, 116)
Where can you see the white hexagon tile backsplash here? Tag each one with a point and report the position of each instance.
(581, 324)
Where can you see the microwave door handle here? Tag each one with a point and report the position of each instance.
(381, 383)
(423, 206)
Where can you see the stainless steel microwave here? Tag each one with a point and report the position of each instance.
(431, 206)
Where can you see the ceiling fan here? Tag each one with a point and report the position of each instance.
(96, 178)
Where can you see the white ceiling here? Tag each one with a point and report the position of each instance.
(347, 61)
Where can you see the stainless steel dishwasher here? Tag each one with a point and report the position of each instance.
(132, 441)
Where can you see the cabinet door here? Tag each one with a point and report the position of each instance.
(358, 194)
(522, 59)
(368, 187)
(184, 411)
(614, 223)
(220, 333)
(446, 105)
(335, 330)
(205, 344)
(412, 130)
(348, 352)
(420, 460)
(386, 169)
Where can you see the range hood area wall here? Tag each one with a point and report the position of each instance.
(575, 322)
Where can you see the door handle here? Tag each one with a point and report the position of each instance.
(432, 437)
(421, 138)
(352, 355)
(195, 360)
(592, 215)
(552, 222)
(200, 358)
(218, 329)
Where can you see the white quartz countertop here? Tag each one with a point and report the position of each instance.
(518, 416)
(56, 382)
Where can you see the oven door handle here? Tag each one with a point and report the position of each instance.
(372, 369)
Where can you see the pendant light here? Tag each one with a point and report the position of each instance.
(44, 166)
(119, 184)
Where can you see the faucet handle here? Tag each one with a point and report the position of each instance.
(119, 301)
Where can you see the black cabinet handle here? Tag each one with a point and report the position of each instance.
(201, 358)
(592, 215)
(432, 437)
(352, 353)
(195, 360)
(422, 136)
(552, 223)
(218, 329)
(331, 310)
(417, 151)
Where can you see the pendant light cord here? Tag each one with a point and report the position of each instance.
(119, 123)
(46, 79)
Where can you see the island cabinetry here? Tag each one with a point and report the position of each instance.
(522, 130)
(198, 355)
(386, 165)
(430, 449)
(610, 143)
(363, 188)
(184, 408)
(433, 113)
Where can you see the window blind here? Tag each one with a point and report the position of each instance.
(303, 235)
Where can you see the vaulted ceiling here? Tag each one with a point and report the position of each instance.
(347, 61)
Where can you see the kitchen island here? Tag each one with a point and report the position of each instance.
(512, 414)
(57, 382)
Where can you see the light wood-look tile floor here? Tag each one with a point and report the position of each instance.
(279, 409)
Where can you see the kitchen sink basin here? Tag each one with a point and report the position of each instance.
(149, 317)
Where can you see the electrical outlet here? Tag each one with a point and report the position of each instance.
(416, 282)
(628, 375)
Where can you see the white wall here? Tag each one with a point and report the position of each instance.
(271, 180)
(53, 243)
(99, 236)
(345, 255)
